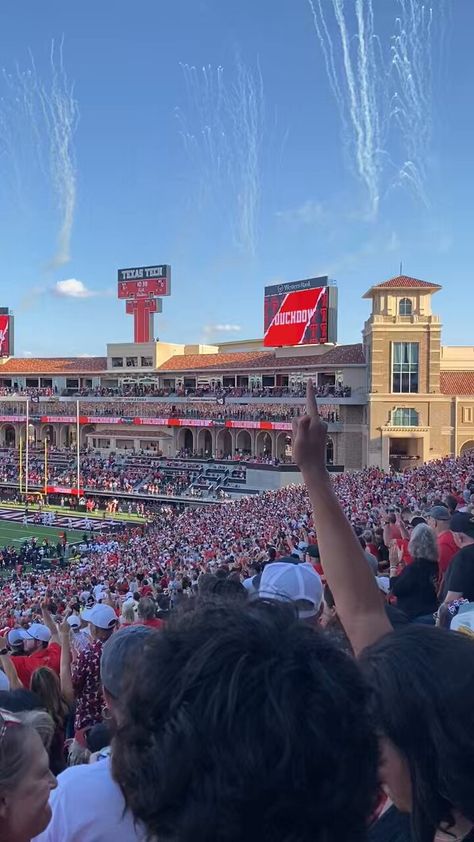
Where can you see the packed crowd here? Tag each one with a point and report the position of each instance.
(9, 468)
(150, 390)
(214, 411)
(27, 391)
(267, 670)
(113, 473)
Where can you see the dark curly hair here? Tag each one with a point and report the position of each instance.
(423, 694)
(240, 723)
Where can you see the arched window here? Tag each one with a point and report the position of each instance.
(330, 452)
(405, 308)
(403, 417)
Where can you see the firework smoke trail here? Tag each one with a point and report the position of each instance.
(412, 101)
(355, 80)
(16, 130)
(328, 53)
(61, 115)
(246, 110)
(37, 123)
(206, 145)
(383, 91)
(223, 135)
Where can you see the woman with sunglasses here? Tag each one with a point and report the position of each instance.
(25, 781)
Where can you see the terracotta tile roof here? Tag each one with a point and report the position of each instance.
(457, 382)
(403, 282)
(256, 360)
(53, 365)
(188, 362)
(345, 355)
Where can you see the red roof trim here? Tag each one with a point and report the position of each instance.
(403, 282)
(259, 360)
(53, 365)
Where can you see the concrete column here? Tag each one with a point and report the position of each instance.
(213, 432)
(385, 462)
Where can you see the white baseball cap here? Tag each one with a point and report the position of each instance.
(74, 621)
(16, 636)
(39, 632)
(297, 583)
(101, 615)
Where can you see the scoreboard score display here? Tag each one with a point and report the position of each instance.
(300, 313)
(144, 281)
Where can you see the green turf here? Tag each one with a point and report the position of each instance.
(64, 512)
(15, 533)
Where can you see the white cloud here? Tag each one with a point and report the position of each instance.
(310, 212)
(222, 328)
(73, 288)
(27, 353)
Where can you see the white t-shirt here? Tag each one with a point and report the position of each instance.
(88, 806)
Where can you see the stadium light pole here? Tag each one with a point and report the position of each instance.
(27, 444)
(46, 468)
(21, 466)
(78, 450)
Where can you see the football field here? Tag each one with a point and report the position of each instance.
(14, 534)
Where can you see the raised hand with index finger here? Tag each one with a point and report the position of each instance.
(310, 436)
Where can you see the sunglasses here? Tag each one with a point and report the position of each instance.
(7, 720)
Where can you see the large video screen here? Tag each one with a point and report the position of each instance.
(6, 339)
(298, 313)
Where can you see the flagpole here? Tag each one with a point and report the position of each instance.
(78, 448)
(27, 447)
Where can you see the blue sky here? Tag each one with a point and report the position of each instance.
(236, 177)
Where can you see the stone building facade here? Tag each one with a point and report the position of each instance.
(398, 399)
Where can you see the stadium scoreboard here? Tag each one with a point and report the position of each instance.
(142, 288)
(300, 313)
(144, 281)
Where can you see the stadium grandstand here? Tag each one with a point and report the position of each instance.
(396, 400)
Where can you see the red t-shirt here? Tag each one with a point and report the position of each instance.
(402, 544)
(155, 623)
(26, 665)
(447, 548)
(394, 532)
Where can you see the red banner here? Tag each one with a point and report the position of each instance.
(259, 425)
(151, 422)
(58, 419)
(59, 489)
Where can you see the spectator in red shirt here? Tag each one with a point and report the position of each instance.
(146, 589)
(42, 651)
(147, 614)
(438, 520)
(406, 526)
